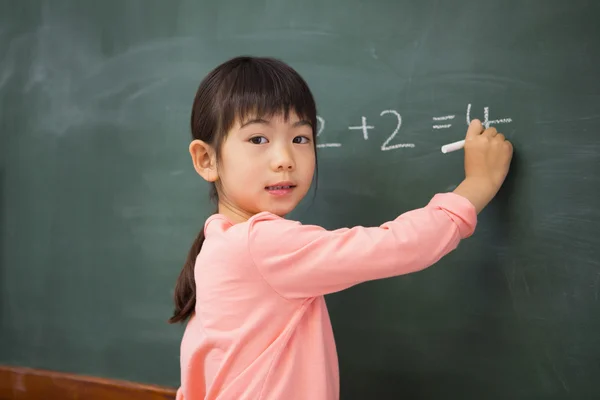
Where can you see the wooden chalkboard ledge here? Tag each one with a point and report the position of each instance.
(17, 383)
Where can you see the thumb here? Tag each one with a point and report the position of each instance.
(475, 129)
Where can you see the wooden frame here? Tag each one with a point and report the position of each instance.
(17, 383)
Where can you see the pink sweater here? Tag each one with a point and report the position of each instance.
(261, 329)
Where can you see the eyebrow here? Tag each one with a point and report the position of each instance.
(255, 121)
(302, 122)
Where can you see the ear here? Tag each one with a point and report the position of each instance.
(204, 159)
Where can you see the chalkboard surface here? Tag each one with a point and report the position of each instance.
(99, 201)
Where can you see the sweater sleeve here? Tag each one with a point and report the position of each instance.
(300, 261)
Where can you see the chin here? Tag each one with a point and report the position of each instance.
(280, 211)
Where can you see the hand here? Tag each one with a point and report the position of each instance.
(487, 155)
(487, 159)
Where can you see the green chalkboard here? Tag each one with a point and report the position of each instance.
(99, 201)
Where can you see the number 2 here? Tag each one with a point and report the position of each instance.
(321, 127)
(384, 146)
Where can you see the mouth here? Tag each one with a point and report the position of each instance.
(280, 188)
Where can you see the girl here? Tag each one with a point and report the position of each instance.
(252, 287)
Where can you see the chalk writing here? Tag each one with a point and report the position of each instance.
(444, 118)
(384, 146)
(486, 116)
(364, 127)
(321, 122)
(441, 122)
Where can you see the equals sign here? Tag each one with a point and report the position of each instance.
(444, 118)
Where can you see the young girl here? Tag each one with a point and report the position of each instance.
(252, 287)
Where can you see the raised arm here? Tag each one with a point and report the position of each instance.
(305, 260)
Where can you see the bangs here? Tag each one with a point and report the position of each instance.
(263, 88)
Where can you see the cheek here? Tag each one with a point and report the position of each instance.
(240, 171)
(308, 164)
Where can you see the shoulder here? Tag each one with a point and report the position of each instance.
(270, 231)
(268, 220)
(220, 224)
(268, 216)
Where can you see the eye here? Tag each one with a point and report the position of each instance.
(301, 140)
(258, 140)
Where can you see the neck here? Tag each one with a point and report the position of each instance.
(235, 215)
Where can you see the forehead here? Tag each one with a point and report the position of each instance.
(291, 117)
(272, 119)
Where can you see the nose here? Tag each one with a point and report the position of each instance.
(283, 159)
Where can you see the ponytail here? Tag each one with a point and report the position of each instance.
(185, 289)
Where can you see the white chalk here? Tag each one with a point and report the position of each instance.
(453, 146)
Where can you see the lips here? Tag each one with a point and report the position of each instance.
(280, 188)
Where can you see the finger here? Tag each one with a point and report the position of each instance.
(491, 132)
(475, 129)
(500, 137)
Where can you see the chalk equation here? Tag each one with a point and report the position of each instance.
(441, 122)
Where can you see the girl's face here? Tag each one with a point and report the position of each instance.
(266, 165)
